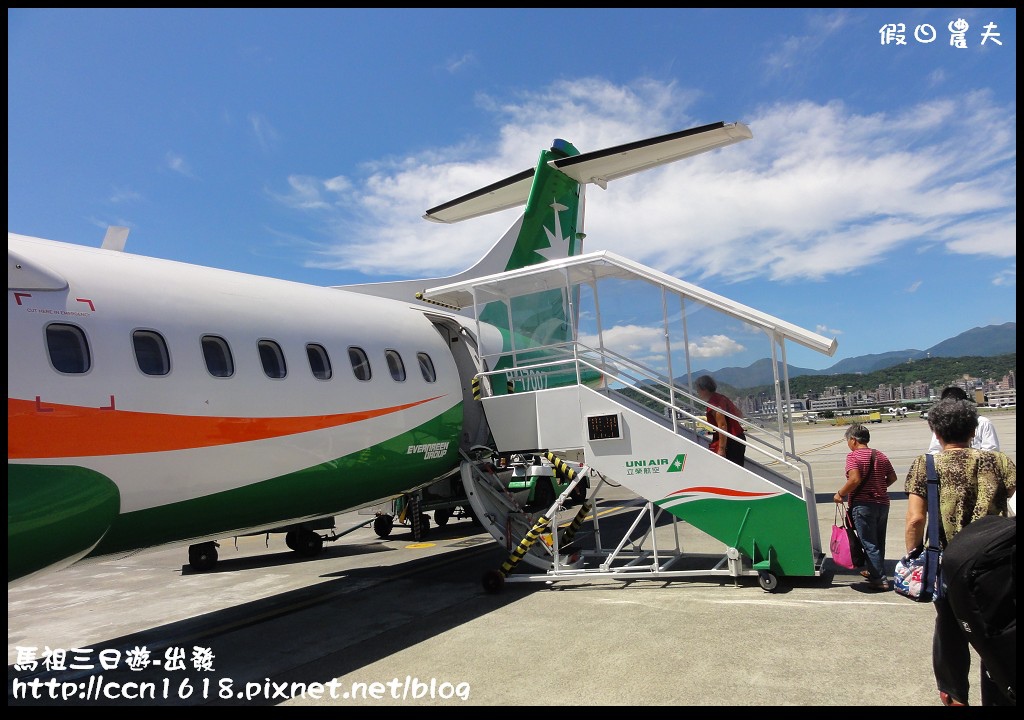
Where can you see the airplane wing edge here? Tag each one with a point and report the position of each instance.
(613, 163)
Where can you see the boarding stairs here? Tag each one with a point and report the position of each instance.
(643, 440)
(763, 516)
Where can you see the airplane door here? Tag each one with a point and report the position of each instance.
(463, 346)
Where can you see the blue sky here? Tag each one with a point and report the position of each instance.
(876, 202)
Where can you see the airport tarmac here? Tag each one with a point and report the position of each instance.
(376, 621)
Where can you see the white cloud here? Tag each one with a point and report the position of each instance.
(1007, 277)
(262, 130)
(306, 193)
(631, 339)
(453, 65)
(122, 195)
(177, 163)
(796, 51)
(818, 192)
(713, 346)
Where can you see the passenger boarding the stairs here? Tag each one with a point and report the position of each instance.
(727, 447)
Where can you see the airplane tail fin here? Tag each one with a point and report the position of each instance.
(551, 226)
(548, 228)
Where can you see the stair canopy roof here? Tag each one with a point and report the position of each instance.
(589, 268)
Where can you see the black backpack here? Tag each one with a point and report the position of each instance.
(979, 570)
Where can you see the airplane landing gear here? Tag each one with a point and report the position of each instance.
(382, 525)
(202, 556)
(305, 542)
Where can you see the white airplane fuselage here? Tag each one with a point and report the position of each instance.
(195, 456)
(152, 402)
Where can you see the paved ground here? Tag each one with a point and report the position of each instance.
(392, 622)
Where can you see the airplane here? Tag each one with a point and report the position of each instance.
(156, 403)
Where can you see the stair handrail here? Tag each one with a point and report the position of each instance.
(773, 452)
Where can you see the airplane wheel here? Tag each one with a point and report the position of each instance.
(290, 540)
(473, 518)
(382, 525)
(768, 581)
(441, 516)
(203, 556)
(308, 543)
(493, 581)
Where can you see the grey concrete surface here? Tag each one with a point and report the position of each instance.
(393, 622)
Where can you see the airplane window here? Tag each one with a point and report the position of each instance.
(360, 363)
(426, 367)
(272, 359)
(395, 365)
(319, 361)
(68, 349)
(218, 356)
(151, 352)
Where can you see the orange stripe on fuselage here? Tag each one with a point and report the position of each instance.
(72, 431)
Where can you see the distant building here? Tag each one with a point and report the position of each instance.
(828, 403)
(769, 406)
(1000, 398)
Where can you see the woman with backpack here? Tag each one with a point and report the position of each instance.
(972, 484)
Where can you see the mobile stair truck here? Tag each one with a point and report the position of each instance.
(638, 426)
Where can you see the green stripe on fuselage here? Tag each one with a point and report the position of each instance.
(54, 512)
(329, 488)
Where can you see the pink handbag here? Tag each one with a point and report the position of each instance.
(845, 546)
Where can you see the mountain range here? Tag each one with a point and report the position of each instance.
(985, 341)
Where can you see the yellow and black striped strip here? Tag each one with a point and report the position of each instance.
(577, 523)
(524, 545)
(561, 468)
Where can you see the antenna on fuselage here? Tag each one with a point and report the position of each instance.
(115, 238)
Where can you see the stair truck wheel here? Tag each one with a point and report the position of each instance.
(493, 581)
(202, 556)
(768, 581)
(441, 516)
